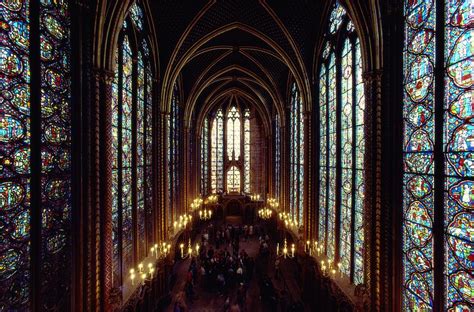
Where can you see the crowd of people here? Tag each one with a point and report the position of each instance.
(222, 266)
(225, 269)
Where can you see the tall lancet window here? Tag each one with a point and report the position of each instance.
(236, 124)
(233, 133)
(35, 155)
(132, 146)
(174, 155)
(296, 155)
(277, 153)
(205, 157)
(438, 190)
(247, 151)
(342, 148)
(217, 152)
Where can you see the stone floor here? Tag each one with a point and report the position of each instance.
(206, 301)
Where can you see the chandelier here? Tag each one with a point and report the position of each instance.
(190, 252)
(265, 213)
(205, 214)
(285, 252)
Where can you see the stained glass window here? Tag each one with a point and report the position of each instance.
(174, 154)
(237, 128)
(136, 15)
(277, 163)
(148, 148)
(205, 158)
(127, 148)
(140, 137)
(19, 111)
(342, 148)
(233, 180)
(332, 141)
(323, 155)
(247, 151)
(296, 155)
(217, 152)
(233, 133)
(132, 145)
(422, 102)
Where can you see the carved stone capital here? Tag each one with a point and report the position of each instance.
(371, 76)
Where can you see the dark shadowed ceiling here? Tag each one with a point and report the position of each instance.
(249, 48)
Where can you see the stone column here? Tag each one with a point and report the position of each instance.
(308, 215)
(105, 151)
(372, 203)
(163, 176)
(93, 216)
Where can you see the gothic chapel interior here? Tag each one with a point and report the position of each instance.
(236, 155)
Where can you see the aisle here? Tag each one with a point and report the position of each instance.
(209, 301)
(206, 301)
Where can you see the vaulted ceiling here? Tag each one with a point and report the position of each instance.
(246, 47)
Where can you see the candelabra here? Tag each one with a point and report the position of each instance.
(190, 251)
(160, 251)
(196, 204)
(312, 248)
(183, 222)
(284, 252)
(272, 202)
(205, 214)
(255, 197)
(328, 268)
(265, 213)
(288, 221)
(211, 199)
(142, 273)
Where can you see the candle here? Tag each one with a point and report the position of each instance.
(140, 267)
(132, 277)
(339, 265)
(152, 251)
(308, 248)
(181, 246)
(151, 272)
(333, 272)
(143, 277)
(278, 248)
(292, 250)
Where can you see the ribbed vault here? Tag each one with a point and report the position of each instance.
(236, 45)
